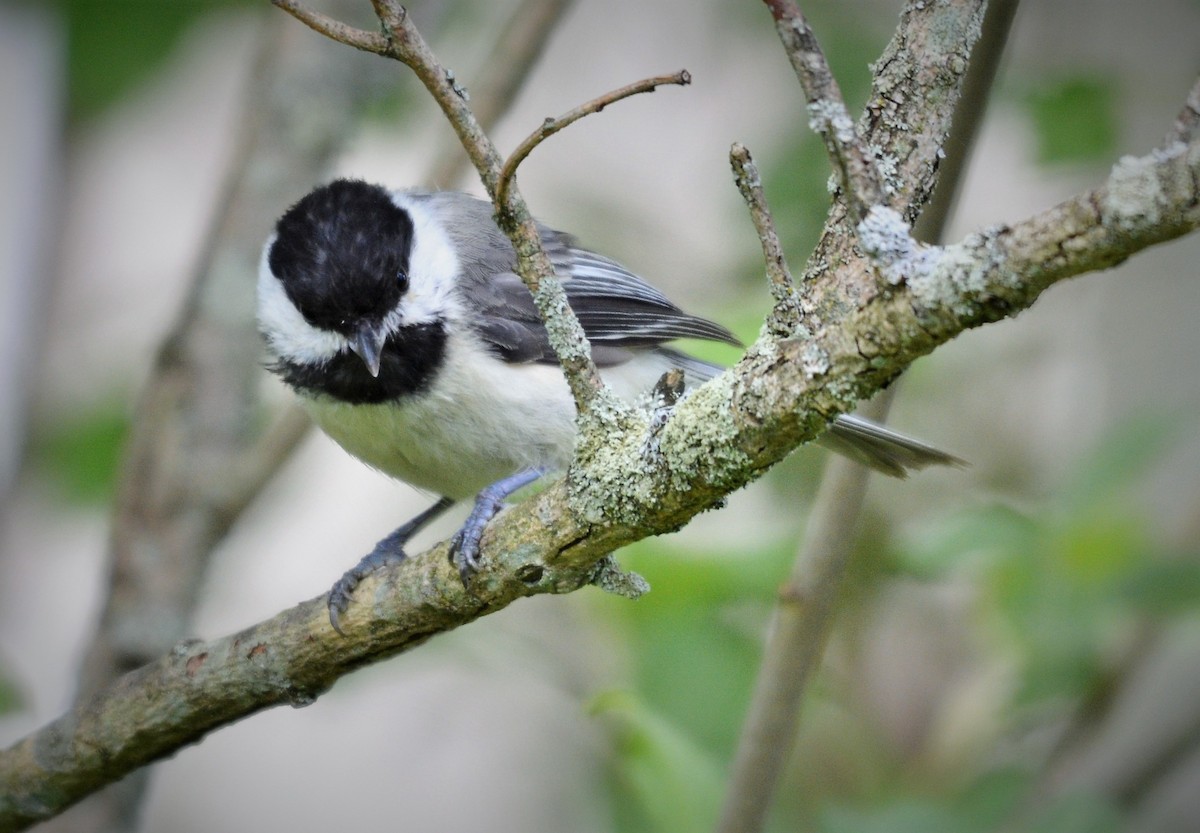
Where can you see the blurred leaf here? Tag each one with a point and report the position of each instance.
(1063, 586)
(1096, 549)
(113, 46)
(695, 643)
(675, 782)
(1121, 456)
(903, 816)
(1078, 813)
(1164, 588)
(992, 799)
(1076, 119)
(984, 533)
(10, 696)
(82, 455)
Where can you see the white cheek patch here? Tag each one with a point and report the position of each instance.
(288, 335)
(432, 268)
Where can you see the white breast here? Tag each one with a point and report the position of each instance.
(479, 422)
(476, 424)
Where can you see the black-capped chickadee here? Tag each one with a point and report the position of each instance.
(398, 319)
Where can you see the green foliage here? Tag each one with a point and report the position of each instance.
(694, 654)
(697, 645)
(1057, 593)
(1064, 587)
(673, 783)
(81, 455)
(10, 697)
(1075, 118)
(989, 804)
(114, 46)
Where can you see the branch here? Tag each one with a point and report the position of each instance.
(513, 55)
(553, 125)
(626, 488)
(402, 41)
(334, 29)
(1187, 123)
(827, 112)
(785, 311)
(804, 615)
(796, 641)
(717, 439)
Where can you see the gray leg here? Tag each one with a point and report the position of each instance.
(464, 546)
(388, 551)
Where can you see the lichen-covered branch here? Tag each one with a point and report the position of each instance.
(875, 304)
(804, 614)
(827, 113)
(717, 439)
(785, 311)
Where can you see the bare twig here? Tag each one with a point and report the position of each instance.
(334, 29)
(786, 309)
(798, 632)
(514, 53)
(827, 112)
(403, 42)
(553, 125)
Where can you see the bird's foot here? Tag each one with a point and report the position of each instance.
(343, 589)
(388, 551)
(464, 546)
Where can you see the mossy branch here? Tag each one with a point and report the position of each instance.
(875, 301)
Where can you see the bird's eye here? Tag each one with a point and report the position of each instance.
(402, 281)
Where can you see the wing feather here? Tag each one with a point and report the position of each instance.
(617, 309)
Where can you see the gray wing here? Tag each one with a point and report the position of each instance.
(620, 312)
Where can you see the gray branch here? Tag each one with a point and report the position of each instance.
(874, 301)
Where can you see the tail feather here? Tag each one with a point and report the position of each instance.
(882, 449)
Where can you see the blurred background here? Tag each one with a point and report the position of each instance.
(1019, 644)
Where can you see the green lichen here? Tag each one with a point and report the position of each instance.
(701, 441)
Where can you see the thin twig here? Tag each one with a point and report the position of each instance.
(786, 309)
(553, 125)
(509, 62)
(404, 43)
(798, 633)
(827, 113)
(334, 29)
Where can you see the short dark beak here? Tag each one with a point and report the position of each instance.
(367, 344)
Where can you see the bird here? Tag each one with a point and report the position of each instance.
(399, 321)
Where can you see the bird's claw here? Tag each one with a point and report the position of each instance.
(464, 545)
(342, 591)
